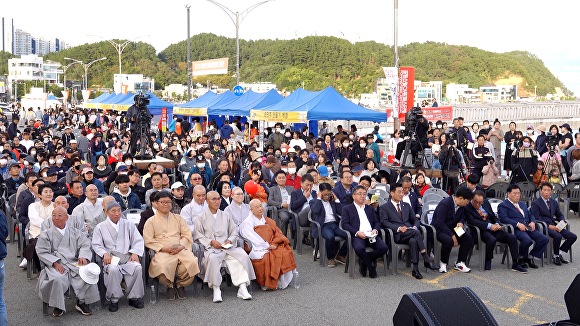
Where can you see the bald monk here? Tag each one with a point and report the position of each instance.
(271, 256)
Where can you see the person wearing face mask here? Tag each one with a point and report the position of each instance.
(292, 179)
(15, 179)
(202, 168)
(358, 154)
(276, 138)
(102, 170)
(530, 133)
(57, 162)
(343, 155)
(524, 162)
(74, 172)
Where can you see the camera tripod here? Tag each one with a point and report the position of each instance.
(408, 142)
(547, 165)
(449, 177)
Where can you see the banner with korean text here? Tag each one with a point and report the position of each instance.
(406, 92)
(443, 113)
(210, 67)
(278, 116)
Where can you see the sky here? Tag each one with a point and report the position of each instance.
(545, 28)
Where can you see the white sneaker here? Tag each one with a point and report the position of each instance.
(23, 263)
(460, 266)
(442, 267)
(243, 292)
(217, 294)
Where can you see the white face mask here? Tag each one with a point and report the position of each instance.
(285, 170)
(44, 174)
(363, 144)
(51, 161)
(345, 145)
(200, 165)
(59, 161)
(287, 134)
(156, 146)
(33, 153)
(291, 170)
(530, 131)
(279, 130)
(128, 162)
(26, 163)
(3, 161)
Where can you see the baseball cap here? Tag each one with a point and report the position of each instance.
(87, 170)
(284, 162)
(567, 126)
(323, 170)
(176, 185)
(73, 141)
(122, 168)
(357, 168)
(52, 171)
(200, 158)
(13, 165)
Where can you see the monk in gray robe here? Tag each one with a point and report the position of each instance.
(118, 242)
(90, 209)
(238, 210)
(217, 233)
(169, 236)
(73, 221)
(63, 249)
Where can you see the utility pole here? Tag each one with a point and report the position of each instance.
(396, 121)
(188, 56)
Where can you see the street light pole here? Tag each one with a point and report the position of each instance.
(237, 23)
(86, 66)
(396, 121)
(188, 57)
(120, 47)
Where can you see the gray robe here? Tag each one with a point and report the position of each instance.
(221, 228)
(73, 221)
(66, 249)
(120, 244)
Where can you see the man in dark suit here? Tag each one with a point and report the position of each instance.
(479, 214)
(146, 214)
(449, 215)
(299, 200)
(512, 211)
(547, 210)
(360, 220)
(279, 197)
(398, 216)
(324, 210)
(410, 196)
(344, 187)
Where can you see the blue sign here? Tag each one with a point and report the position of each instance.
(238, 90)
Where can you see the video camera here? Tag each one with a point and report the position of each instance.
(412, 118)
(141, 100)
(551, 143)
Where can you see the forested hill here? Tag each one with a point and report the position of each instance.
(315, 62)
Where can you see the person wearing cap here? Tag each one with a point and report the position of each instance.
(67, 136)
(119, 244)
(324, 175)
(179, 200)
(530, 133)
(74, 172)
(59, 188)
(217, 233)
(357, 170)
(98, 147)
(64, 250)
(88, 178)
(14, 181)
(169, 236)
(13, 127)
(540, 144)
(203, 168)
(524, 162)
(73, 144)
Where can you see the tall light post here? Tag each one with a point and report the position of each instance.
(188, 57)
(396, 121)
(64, 69)
(86, 66)
(235, 18)
(120, 47)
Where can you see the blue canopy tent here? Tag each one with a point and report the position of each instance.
(92, 103)
(155, 105)
(249, 100)
(113, 102)
(200, 102)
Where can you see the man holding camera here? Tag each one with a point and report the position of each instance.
(481, 155)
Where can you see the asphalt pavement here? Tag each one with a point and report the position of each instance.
(327, 296)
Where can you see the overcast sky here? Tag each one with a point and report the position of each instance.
(545, 28)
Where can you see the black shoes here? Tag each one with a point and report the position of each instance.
(517, 268)
(531, 263)
(487, 265)
(363, 269)
(57, 312)
(113, 306)
(523, 262)
(416, 274)
(562, 260)
(431, 266)
(83, 308)
(556, 260)
(137, 303)
(373, 270)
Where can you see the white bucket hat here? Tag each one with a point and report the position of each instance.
(90, 273)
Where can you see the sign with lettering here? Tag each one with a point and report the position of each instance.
(278, 116)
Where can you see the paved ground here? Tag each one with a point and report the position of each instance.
(326, 297)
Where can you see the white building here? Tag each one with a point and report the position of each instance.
(427, 91)
(123, 83)
(175, 91)
(33, 67)
(19, 42)
(258, 87)
(383, 91)
(7, 34)
(461, 94)
(498, 93)
(22, 43)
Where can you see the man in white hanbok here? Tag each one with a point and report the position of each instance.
(217, 233)
(120, 245)
(238, 210)
(90, 209)
(63, 249)
(191, 211)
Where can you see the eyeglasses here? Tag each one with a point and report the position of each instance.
(195, 178)
(238, 194)
(360, 194)
(165, 202)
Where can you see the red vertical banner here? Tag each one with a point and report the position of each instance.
(406, 91)
(163, 119)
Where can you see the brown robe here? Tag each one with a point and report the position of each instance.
(276, 262)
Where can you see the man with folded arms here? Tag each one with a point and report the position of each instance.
(169, 236)
(216, 231)
(479, 214)
(547, 210)
(448, 220)
(512, 211)
(400, 218)
(63, 249)
(120, 245)
(271, 256)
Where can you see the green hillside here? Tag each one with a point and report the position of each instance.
(314, 61)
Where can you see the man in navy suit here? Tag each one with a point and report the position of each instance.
(512, 211)
(449, 214)
(360, 220)
(299, 200)
(410, 196)
(479, 214)
(547, 210)
(324, 210)
(397, 216)
(345, 187)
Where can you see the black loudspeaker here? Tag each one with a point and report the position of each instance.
(572, 299)
(457, 306)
